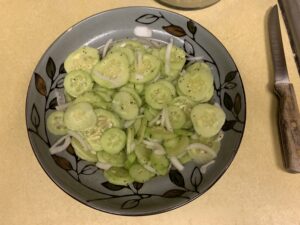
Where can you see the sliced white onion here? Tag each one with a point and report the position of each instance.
(128, 123)
(149, 168)
(204, 167)
(139, 76)
(62, 107)
(202, 147)
(157, 78)
(194, 58)
(106, 46)
(155, 119)
(60, 98)
(78, 136)
(167, 121)
(104, 166)
(159, 152)
(142, 31)
(60, 145)
(168, 56)
(217, 104)
(175, 162)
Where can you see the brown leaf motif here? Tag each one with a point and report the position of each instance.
(175, 30)
(40, 84)
(62, 162)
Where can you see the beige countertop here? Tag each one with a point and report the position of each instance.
(255, 190)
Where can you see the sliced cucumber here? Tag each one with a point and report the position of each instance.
(177, 61)
(197, 84)
(139, 173)
(207, 119)
(125, 105)
(93, 98)
(55, 123)
(184, 158)
(160, 133)
(143, 154)
(112, 72)
(179, 148)
(160, 163)
(118, 176)
(176, 116)
(131, 159)
(83, 58)
(200, 156)
(134, 94)
(77, 82)
(158, 95)
(117, 160)
(105, 120)
(81, 153)
(113, 140)
(146, 70)
(126, 51)
(80, 116)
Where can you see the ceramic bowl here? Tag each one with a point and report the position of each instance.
(82, 180)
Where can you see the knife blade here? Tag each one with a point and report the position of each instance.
(288, 116)
(290, 10)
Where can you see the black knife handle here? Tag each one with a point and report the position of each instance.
(289, 126)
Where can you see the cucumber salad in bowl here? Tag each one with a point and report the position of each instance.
(136, 109)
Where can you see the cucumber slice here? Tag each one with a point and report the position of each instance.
(177, 61)
(134, 94)
(81, 153)
(77, 82)
(139, 173)
(150, 113)
(184, 158)
(55, 123)
(179, 148)
(80, 116)
(207, 119)
(112, 72)
(98, 88)
(137, 125)
(171, 143)
(126, 51)
(105, 120)
(176, 116)
(113, 140)
(117, 160)
(147, 70)
(139, 88)
(118, 176)
(200, 156)
(160, 163)
(197, 84)
(93, 98)
(131, 159)
(184, 103)
(160, 133)
(83, 58)
(143, 154)
(158, 94)
(125, 105)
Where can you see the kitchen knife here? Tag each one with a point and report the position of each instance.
(289, 117)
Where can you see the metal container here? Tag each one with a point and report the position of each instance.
(189, 4)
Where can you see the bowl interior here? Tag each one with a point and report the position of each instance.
(82, 180)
